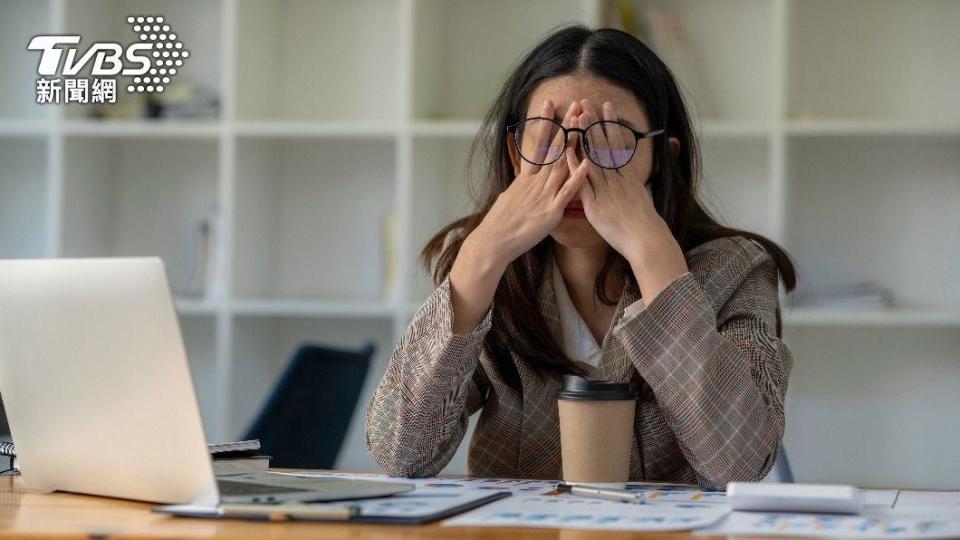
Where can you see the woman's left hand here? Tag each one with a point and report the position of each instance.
(618, 203)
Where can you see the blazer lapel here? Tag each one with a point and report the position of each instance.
(548, 302)
(614, 364)
(539, 431)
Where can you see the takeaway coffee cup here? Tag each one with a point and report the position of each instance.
(596, 430)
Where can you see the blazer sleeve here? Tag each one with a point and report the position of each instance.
(419, 413)
(720, 377)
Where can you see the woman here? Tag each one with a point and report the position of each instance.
(590, 254)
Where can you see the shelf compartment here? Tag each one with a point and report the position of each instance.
(143, 128)
(318, 60)
(310, 219)
(736, 182)
(322, 128)
(20, 128)
(136, 197)
(877, 209)
(460, 65)
(816, 128)
(446, 128)
(901, 317)
(868, 59)
(722, 55)
(191, 306)
(263, 347)
(250, 307)
(199, 336)
(23, 197)
(877, 394)
(19, 22)
(440, 195)
(197, 24)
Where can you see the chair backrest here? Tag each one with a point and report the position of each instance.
(781, 468)
(304, 421)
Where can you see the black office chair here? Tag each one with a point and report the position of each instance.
(781, 467)
(304, 421)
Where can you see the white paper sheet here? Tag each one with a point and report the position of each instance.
(834, 526)
(656, 492)
(943, 500)
(570, 512)
(887, 513)
(881, 498)
(535, 504)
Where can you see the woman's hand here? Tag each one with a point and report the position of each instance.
(618, 203)
(532, 206)
(523, 215)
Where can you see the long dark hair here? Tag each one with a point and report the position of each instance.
(621, 58)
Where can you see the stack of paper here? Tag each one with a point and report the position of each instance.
(887, 513)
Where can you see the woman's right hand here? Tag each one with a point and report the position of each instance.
(523, 215)
(532, 205)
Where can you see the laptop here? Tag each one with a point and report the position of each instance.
(98, 393)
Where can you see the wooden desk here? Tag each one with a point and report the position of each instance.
(64, 515)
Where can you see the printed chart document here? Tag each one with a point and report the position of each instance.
(888, 513)
(433, 498)
(835, 526)
(571, 512)
(671, 507)
(536, 503)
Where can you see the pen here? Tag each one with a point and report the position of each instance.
(609, 494)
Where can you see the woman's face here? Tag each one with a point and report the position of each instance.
(574, 230)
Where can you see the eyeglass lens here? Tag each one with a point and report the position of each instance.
(607, 144)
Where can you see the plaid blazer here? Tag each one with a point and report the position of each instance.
(704, 355)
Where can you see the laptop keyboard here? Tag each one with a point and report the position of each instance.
(234, 488)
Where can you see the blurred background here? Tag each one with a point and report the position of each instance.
(308, 149)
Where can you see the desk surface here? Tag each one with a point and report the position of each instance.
(24, 513)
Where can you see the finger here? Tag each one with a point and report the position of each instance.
(573, 185)
(558, 174)
(619, 147)
(532, 144)
(573, 122)
(571, 155)
(577, 165)
(560, 171)
(609, 156)
(595, 176)
(599, 142)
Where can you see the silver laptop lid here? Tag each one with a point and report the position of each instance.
(95, 381)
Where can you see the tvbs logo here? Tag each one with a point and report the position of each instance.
(152, 62)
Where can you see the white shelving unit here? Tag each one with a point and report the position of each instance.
(831, 126)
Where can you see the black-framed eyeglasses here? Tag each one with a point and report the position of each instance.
(607, 143)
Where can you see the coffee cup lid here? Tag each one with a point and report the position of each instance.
(578, 388)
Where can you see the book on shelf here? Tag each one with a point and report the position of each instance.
(389, 271)
(238, 456)
(205, 279)
(854, 296)
(662, 28)
(238, 464)
(227, 457)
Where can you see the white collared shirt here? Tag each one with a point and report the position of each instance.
(578, 342)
